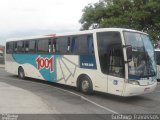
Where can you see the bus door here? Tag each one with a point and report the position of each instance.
(115, 69)
(157, 53)
(111, 60)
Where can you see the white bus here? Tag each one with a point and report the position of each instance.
(111, 60)
(157, 53)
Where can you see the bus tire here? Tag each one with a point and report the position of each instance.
(86, 86)
(21, 73)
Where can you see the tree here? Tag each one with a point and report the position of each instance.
(143, 15)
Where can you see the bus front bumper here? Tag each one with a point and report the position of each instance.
(133, 90)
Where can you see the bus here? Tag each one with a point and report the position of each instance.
(157, 54)
(111, 60)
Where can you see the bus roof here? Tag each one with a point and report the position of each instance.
(72, 33)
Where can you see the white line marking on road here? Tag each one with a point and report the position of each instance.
(86, 99)
(82, 97)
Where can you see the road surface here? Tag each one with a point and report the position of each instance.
(37, 97)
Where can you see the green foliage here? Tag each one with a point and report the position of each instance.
(143, 15)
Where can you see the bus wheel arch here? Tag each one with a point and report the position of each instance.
(21, 73)
(84, 84)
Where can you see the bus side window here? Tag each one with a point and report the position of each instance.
(90, 44)
(20, 46)
(54, 46)
(15, 47)
(62, 44)
(26, 46)
(73, 45)
(68, 44)
(32, 46)
(157, 57)
(10, 47)
(49, 46)
(82, 44)
(42, 46)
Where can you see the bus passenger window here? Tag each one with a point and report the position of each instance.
(32, 46)
(26, 46)
(9, 48)
(82, 44)
(73, 45)
(42, 46)
(69, 45)
(62, 44)
(15, 47)
(49, 46)
(54, 45)
(90, 44)
(20, 46)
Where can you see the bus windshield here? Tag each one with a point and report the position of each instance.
(143, 63)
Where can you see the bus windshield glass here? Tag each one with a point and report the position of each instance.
(143, 63)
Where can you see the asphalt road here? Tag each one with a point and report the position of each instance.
(62, 99)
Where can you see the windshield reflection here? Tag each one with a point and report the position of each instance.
(143, 62)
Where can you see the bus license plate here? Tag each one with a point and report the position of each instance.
(146, 89)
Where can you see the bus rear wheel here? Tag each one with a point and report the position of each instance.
(86, 86)
(21, 74)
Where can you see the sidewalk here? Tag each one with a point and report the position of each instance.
(19, 101)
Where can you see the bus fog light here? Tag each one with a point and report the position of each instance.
(134, 82)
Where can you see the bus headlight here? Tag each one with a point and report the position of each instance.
(134, 82)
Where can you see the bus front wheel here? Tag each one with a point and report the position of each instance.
(86, 86)
(21, 74)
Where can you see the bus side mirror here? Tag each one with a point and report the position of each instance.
(129, 53)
